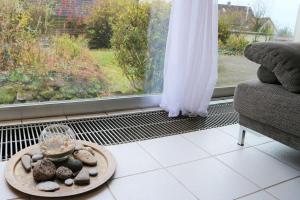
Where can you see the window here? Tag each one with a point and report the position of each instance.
(80, 49)
(242, 22)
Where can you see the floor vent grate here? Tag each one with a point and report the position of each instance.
(110, 130)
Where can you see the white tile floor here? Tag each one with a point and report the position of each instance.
(206, 165)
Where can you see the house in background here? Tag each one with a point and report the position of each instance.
(244, 20)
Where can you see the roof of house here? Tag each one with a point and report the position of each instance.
(228, 8)
(244, 16)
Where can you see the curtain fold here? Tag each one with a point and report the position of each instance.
(190, 70)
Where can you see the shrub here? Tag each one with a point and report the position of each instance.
(98, 23)
(21, 25)
(33, 71)
(235, 45)
(130, 42)
(223, 30)
(157, 38)
(139, 40)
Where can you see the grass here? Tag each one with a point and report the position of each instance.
(117, 81)
(231, 69)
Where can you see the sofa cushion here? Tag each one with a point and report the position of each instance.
(266, 76)
(269, 104)
(281, 58)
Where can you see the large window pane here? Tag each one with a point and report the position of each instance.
(242, 22)
(78, 49)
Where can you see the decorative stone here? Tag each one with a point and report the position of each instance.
(86, 157)
(82, 178)
(26, 162)
(36, 157)
(73, 164)
(78, 146)
(43, 170)
(75, 173)
(89, 149)
(47, 186)
(33, 164)
(63, 173)
(93, 172)
(69, 182)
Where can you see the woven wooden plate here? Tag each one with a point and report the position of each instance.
(19, 179)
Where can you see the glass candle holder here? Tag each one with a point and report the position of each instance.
(57, 141)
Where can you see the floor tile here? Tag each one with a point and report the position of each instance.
(173, 150)
(252, 137)
(262, 195)
(7, 192)
(286, 191)
(258, 167)
(155, 185)
(282, 152)
(209, 179)
(213, 141)
(131, 159)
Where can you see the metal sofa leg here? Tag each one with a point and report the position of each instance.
(242, 135)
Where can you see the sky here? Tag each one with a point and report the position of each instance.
(282, 12)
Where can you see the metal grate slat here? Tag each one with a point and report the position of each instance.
(118, 129)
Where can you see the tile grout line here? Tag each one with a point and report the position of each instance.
(262, 188)
(247, 195)
(285, 163)
(138, 173)
(245, 138)
(109, 189)
(215, 157)
(168, 172)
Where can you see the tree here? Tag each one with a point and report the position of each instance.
(285, 32)
(129, 41)
(139, 40)
(157, 39)
(99, 22)
(261, 23)
(223, 30)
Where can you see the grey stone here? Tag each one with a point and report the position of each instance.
(73, 164)
(63, 173)
(43, 170)
(82, 178)
(93, 172)
(47, 186)
(26, 162)
(75, 173)
(36, 157)
(69, 182)
(86, 157)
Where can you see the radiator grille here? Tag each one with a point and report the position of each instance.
(111, 130)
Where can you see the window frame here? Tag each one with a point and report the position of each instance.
(88, 106)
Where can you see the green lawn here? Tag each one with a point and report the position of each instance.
(117, 81)
(232, 70)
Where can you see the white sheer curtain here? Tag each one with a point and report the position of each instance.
(190, 71)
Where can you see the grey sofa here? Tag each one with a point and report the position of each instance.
(270, 110)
